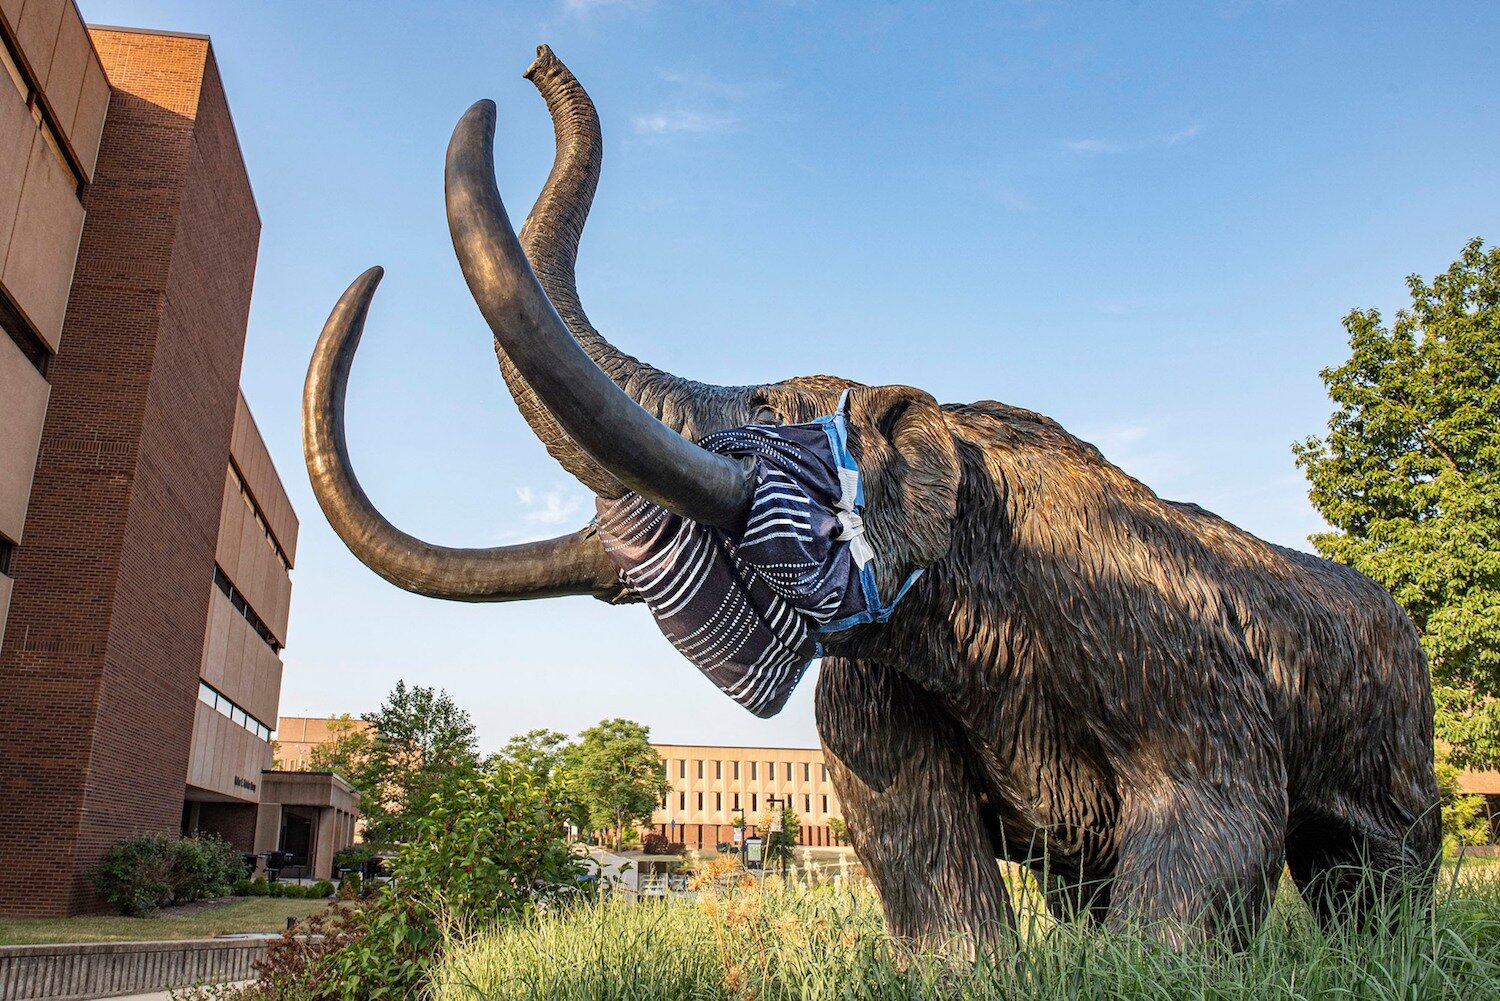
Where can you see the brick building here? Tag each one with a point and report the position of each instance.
(147, 540)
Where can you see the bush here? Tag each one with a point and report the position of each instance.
(487, 852)
(322, 888)
(241, 888)
(353, 857)
(204, 866)
(139, 875)
(259, 887)
(657, 844)
(136, 875)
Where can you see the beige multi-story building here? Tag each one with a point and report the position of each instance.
(299, 735)
(713, 786)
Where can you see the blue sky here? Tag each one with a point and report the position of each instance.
(1142, 219)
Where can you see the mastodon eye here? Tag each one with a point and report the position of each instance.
(764, 414)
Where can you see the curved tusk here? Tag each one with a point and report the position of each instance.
(569, 564)
(611, 428)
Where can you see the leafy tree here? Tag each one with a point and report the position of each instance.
(838, 829)
(1409, 477)
(538, 751)
(347, 750)
(488, 851)
(542, 752)
(779, 844)
(613, 775)
(1466, 819)
(420, 745)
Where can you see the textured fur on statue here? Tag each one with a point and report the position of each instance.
(1150, 707)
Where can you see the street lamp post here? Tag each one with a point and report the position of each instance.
(778, 828)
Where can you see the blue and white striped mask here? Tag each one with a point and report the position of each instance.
(747, 610)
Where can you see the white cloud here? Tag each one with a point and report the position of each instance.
(680, 120)
(1096, 145)
(555, 507)
(583, 8)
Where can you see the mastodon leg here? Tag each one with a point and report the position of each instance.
(1198, 860)
(912, 809)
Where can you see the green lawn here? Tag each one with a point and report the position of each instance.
(244, 914)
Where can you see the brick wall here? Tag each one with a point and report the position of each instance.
(98, 674)
(234, 822)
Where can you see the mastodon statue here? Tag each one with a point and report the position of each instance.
(1153, 709)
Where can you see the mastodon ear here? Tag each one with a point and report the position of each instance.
(910, 468)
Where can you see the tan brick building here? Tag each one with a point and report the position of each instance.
(145, 538)
(714, 785)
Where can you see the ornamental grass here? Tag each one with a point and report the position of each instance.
(745, 940)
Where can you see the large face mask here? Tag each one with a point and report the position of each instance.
(748, 607)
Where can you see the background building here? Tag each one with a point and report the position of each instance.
(147, 539)
(298, 735)
(712, 786)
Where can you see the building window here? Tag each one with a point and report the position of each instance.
(700, 768)
(770, 771)
(806, 803)
(806, 771)
(825, 804)
(40, 115)
(752, 770)
(789, 771)
(27, 340)
(718, 769)
(736, 802)
(682, 801)
(221, 579)
(7, 549)
(700, 802)
(224, 706)
(718, 802)
(682, 768)
(825, 772)
(754, 803)
(736, 770)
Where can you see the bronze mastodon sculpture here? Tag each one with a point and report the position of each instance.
(1147, 705)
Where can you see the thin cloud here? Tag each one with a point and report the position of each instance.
(583, 8)
(1097, 145)
(680, 120)
(555, 507)
(1094, 146)
(700, 104)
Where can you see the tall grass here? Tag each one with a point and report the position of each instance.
(772, 943)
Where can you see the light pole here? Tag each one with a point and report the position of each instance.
(778, 829)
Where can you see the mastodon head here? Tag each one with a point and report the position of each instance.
(614, 422)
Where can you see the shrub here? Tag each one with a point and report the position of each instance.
(657, 844)
(322, 888)
(139, 875)
(136, 875)
(487, 852)
(259, 887)
(241, 888)
(204, 866)
(353, 857)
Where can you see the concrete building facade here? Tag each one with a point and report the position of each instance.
(144, 588)
(712, 786)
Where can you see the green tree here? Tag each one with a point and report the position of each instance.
(613, 775)
(538, 751)
(1408, 475)
(347, 750)
(423, 743)
(779, 844)
(542, 752)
